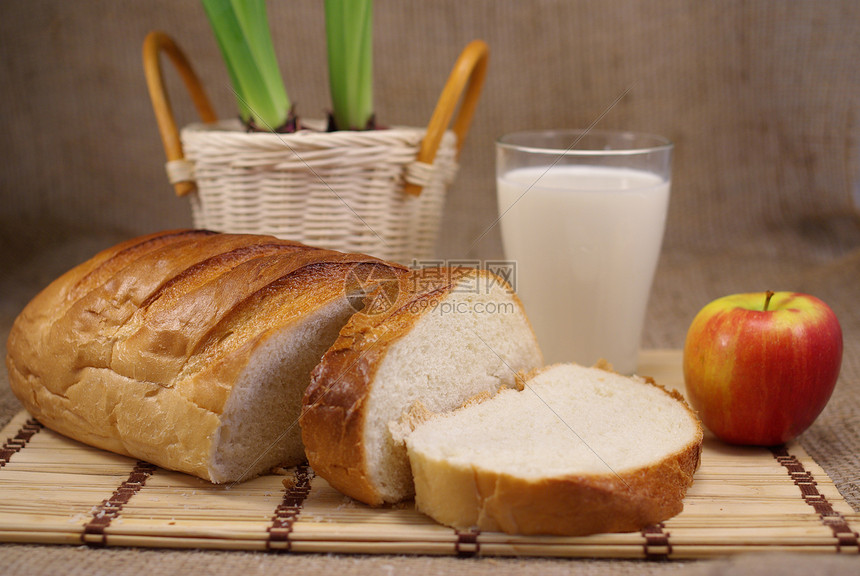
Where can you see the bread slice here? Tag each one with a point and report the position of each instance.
(450, 335)
(577, 451)
(188, 349)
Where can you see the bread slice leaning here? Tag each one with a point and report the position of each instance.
(450, 335)
(577, 451)
(188, 349)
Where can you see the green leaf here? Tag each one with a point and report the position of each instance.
(349, 36)
(241, 29)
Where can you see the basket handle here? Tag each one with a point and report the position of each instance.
(178, 169)
(466, 79)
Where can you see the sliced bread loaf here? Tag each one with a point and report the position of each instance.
(188, 349)
(576, 451)
(451, 334)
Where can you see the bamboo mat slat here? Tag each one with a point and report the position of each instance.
(55, 490)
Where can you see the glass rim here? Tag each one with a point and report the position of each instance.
(661, 143)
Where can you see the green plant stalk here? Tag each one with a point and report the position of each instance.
(349, 36)
(242, 31)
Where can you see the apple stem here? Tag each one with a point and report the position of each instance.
(767, 296)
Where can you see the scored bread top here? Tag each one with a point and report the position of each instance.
(153, 303)
(137, 349)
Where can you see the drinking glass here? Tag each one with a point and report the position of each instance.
(582, 215)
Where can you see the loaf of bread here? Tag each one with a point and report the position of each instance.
(187, 349)
(450, 335)
(576, 451)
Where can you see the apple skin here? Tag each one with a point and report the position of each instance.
(760, 375)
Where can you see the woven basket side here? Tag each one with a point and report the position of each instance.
(340, 190)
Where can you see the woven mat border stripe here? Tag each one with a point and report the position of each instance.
(55, 490)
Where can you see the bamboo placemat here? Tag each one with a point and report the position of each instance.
(56, 490)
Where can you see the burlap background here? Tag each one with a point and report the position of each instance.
(761, 98)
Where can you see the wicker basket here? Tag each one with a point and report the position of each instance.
(378, 192)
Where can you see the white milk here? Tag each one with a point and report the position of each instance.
(586, 242)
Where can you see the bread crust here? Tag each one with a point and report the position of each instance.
(468, 497)
(335, 403)
(138, 349)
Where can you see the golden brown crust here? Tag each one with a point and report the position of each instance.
(334, 406)
(622, 503)
(573, 506)
(162, 325)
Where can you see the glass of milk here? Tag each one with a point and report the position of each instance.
(582, 214)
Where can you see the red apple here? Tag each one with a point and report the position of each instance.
(760, 367)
